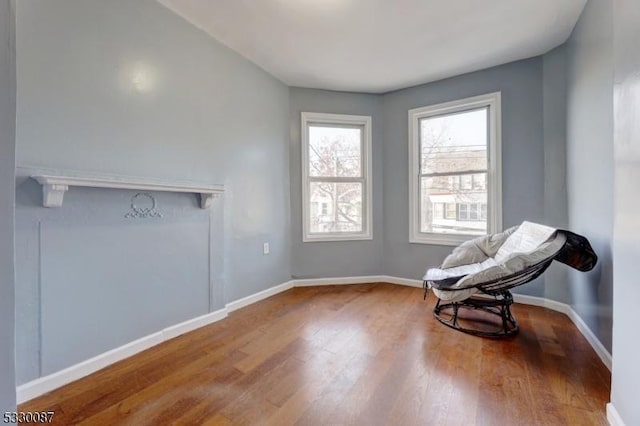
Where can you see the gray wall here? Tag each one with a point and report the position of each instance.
(7, 169)
(534, 158)
(346, 258)
(91, 279)
(210, 116)
(626, 246)
(554, 109)
(522, 157)
(590, 160)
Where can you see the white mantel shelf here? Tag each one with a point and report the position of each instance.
(55, 185)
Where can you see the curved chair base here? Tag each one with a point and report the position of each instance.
(499, 306)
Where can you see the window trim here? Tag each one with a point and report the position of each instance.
(492, 101)
(309, 118)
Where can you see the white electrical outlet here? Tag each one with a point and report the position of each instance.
(265, 248)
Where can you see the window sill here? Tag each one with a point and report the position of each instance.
(441, 239)
(335, 238)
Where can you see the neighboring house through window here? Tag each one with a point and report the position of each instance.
(336, 175)
(455, 170)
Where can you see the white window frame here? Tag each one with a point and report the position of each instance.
(492, 101)
(310, 118)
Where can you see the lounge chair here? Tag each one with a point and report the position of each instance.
(478, 274)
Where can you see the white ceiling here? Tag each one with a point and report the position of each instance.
(381, 45)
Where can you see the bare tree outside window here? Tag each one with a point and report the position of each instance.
(335, 153)
(453, 172)
(337, 174)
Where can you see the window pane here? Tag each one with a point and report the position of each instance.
(480, 181)
(466, 181)
(335, 151)
(451, 211)
(344, 207)
(438, 210)
(454, 142)
(463, 208)
(463, 211)
(454, 182)
(474, 213)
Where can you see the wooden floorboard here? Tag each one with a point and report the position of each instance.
(369, 354)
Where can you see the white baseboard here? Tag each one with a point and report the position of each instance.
(60, 378)
(310, 282)
(597, 346)
(192, 324)
(613, 417)
(45, 384)
(48, 383)
(245, 301)
(401, 281)
(577, 320)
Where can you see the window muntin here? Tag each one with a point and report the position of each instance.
(454, 163)
(337, 176)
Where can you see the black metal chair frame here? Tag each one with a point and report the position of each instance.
(494, 296)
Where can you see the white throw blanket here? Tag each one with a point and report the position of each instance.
(487, 258)
(527, 238)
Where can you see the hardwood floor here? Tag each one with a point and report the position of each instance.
(347, 355)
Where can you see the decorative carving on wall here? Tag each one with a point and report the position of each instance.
(143, 206)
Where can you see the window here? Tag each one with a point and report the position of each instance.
(455, 159)
(480, 181)
(438, 209)
(336, 174)
(466, 181)
(450, 213)
(469, 212)
(463, 211)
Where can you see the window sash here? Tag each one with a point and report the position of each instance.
(363, 123)
(336, 179)
(338, 126)
(361, 201)
(460, 173)
(493, 184)
(455, 215)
